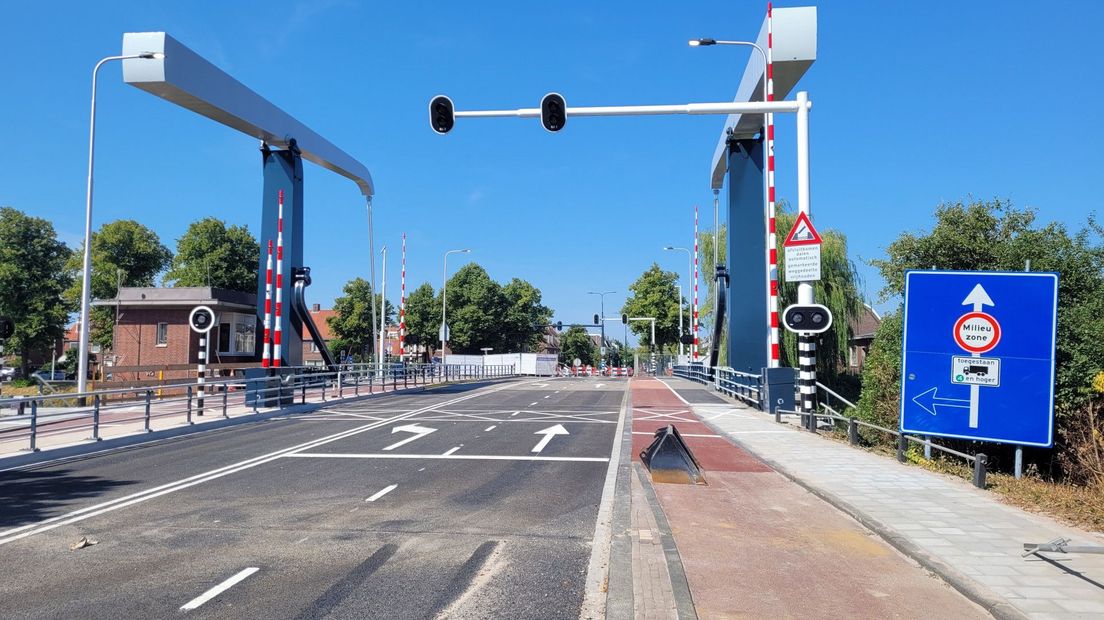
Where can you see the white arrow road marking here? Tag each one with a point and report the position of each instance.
(930, 401)
(382, 492)
(979, 299)
(219, 589)
(548, 433)
(419, 432)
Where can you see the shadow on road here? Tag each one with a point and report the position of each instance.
(30, 496)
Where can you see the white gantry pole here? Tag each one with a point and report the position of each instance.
(402, 303)
(806, 343)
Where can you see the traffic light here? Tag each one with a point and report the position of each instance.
(553, 112)
(442, 115)
(625, 319)
(596, 320)
(810, 319)
(559, 326)
(687, 339)
(7, 328)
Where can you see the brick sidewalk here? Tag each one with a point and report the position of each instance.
(965, 534)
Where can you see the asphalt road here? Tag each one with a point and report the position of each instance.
(322, 515)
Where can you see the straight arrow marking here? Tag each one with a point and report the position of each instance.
(419, 432)
(548, 433)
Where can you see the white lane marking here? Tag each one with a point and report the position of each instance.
(549, 396)
(302, 540)
(459, 457)
(419, 432)
(515, 413)
(677, 395)
(684, 434)
(382, 492)
(756, 432)
(548, 433)
(490, 428)
(141, 496)
(533, 403)
(594, 595)
(451, 450)
(219, 589)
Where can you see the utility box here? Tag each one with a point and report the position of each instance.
(261, 388)
(776, 391)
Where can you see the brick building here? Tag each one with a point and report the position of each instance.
(311, 355)
(153, 332)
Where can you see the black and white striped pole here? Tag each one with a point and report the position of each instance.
(807, 321)
(201, 320)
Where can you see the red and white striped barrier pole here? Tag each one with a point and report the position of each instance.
(772, 241)
(402, 303)
(277, 352)
(694, 307)
(266, 354)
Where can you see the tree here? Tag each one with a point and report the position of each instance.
(839, 288)
(476, 308)
(351, 322)
(577, 343)
(32, 280)
(423, 317)
(994, 235)
(213, 254)
(525, 317)
(654, 295)
(124, 253)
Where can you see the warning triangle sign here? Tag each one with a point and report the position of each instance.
(802, 233)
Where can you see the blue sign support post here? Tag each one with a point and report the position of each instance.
(978, 355)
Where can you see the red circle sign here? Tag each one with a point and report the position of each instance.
(977, 332)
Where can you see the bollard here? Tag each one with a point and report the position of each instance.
(149, 397)
(980, 462)
(96, 417)
(304, 392)
(189, 404)
(356, 384)
(853, 431)
(902, 447)
(21, 407)
(324, 382)
(225, 402)
(778, 414)
(812, 422)
(34, 425)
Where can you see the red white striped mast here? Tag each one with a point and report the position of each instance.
(772, 241)
(277, 336)
(266, 355)
(402, 303)
(694, 307)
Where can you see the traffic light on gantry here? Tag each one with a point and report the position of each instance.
(442, 115)
(553, 112)
(625, 319)
(597, 321)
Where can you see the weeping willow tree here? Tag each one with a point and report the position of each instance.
(839, 289)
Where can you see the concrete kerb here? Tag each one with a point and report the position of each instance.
(619, 587)
(137, 439)
(969, 588)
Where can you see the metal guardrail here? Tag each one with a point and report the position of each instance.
(743, 385)
(55, 414)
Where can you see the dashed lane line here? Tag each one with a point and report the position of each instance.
(219, 589)
(458, 457)
(382, 492)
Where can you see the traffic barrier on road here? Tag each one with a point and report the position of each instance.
(669, 459)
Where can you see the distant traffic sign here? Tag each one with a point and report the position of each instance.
(802, 251)
(1006, 396)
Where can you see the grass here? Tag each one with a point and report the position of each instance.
(1079, 506)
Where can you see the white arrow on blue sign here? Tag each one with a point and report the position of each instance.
(978, 355)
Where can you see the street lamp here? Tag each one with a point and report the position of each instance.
(444, 300)
(86, 277)
(383, 311)
(603, 317)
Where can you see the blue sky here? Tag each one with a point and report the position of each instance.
(914, 103)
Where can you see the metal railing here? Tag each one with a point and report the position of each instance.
(743, 385)
(57, 414)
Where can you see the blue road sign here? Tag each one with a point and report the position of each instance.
(978, 355)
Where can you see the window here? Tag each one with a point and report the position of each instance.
(162, 334)
(313, 347)
(237, 334)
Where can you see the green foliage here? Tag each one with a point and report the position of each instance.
(839, 288)
(475, 309)
(32, 280)
(879, 402)
(351, 324)
(124, 253)
(577, 343)
(707, 304)
(654, 294)
(525, 316)
(994, 235)
(423, 316)
(213, 254)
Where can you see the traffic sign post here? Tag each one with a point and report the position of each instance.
(978, 355)
(802, 251)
